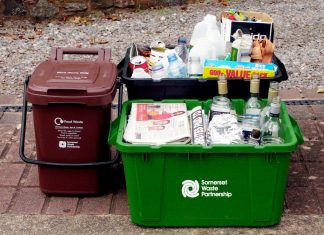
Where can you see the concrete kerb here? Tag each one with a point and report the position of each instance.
(117, 224)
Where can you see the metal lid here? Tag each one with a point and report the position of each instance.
(74, 81)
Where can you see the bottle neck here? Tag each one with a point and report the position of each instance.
(255, 95)
(274, 116)
(271, 95)
(223, 95)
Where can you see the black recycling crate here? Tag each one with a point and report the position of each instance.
(189, 88)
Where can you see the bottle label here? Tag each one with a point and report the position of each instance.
(252, 112)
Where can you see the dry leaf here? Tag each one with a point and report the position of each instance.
(320, 89)
(92, 40)
(112, 17)
(102, 41)
(184, 7)
(79, 20)
(223, 2)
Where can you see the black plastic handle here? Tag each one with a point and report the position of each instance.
(53, 164)
(282, 68)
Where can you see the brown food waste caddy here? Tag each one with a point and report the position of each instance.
(71, 104)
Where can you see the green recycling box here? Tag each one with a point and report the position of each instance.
(193, 185)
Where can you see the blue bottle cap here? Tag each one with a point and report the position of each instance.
(172, 57)
(182, 39)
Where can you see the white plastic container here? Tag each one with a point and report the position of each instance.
(206, 40)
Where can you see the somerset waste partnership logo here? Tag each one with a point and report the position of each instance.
(206, 188)
(190, 188)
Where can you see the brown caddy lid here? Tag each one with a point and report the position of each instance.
(72, 81)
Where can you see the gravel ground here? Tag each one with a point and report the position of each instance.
(299, 37)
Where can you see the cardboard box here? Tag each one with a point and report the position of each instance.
(237, 69)
(257, 30)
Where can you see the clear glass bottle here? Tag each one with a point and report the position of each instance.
(176, 68)
(273, 93)
(250, 130)
(195, 69)
(182, 49)
(221, 104)
(271, 131)
(253, 106)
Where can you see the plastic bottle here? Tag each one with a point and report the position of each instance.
(176, 68)
(158, 72)
(201, 29)
(206, 40)
(195, 69)
(182, 50)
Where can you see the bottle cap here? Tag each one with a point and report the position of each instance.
(182, 40)
(255, 84)
(222, 85)
(172, 57)
(272, 94)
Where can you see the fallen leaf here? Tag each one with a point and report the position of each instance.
(30, 1)
(312, 177)
(223, 2)
(113, 17)
(80, 20)
(102, 41)
(305, 147)
(320, 89)
(184, 7)
(92, 40)
(31, 36)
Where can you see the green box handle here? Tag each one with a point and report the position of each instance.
(298, 133)
(114, 126)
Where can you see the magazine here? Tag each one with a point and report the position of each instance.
(158, 123)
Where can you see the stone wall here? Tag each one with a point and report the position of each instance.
(49, 9)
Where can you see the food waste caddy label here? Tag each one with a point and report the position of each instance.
(69, 133)
(205, 189)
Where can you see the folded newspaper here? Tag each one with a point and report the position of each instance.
(158, 123)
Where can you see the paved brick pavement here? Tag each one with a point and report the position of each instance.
(19, 186)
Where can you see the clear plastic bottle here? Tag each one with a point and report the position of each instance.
(271, 131)
(273, 93)
(182, 49)
(176, 68)
(158, 72)
(253, 106)
(195, 69)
